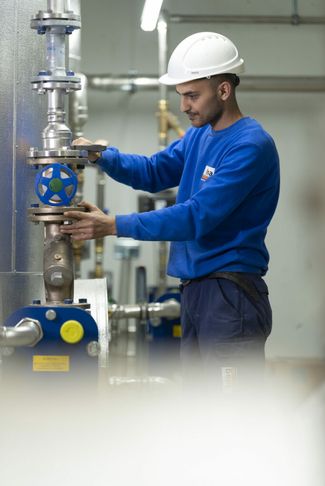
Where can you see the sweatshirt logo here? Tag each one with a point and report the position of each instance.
(208, 172)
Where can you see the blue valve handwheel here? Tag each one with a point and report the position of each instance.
(56, 185)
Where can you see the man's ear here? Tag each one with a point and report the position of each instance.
(224, 90)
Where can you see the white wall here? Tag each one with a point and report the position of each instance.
(112, 42)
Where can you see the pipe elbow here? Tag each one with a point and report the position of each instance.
(28, 332)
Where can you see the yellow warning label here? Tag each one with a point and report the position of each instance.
(177, 331)
(51, 363)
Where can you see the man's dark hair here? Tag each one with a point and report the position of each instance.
(233, 79)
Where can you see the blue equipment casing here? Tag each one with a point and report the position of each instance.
(52, 355)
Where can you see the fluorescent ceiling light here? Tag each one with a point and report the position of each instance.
(150, 14)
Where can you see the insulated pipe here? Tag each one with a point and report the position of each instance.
(246, 19)
(27, 332)
(169, 309)
(127, 83)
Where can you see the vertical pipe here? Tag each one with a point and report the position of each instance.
(58, 264)
(162, 28)
(56, 5)
(141, 285)
(55, 105)
(78, 107)
(124, 288)
(78, 115)
(56, 134)
(55, 51)
(22, 119)
(75, 40)
(99, 243)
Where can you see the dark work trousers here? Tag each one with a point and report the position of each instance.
(224, 330)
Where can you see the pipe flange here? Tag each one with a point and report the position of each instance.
(78, 158)
(144, 312)
(77, 162)
(71, 22)
(43, 86)
(54, 214)
(61, 153)
(48, 78)
(69, 15)
(54, 305)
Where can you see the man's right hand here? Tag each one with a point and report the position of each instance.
(92, 156)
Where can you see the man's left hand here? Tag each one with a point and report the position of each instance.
(89, 225)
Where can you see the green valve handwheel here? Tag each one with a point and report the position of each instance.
(56, 185)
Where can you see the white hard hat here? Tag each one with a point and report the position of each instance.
(202, 55)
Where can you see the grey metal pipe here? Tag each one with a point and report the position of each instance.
(169, 309)
(132, 84)
(246, 19)
(124, 82)
(282, 83)
(56, 134)
(27, 332)
(140, 285)
(162, 28)
(78, 108)
(56, 5)
(58, 265)
(78, 105)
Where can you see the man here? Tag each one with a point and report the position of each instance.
(227, 170)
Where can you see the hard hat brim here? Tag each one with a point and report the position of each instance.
(170, 81)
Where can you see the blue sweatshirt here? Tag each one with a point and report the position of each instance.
(228, 191)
